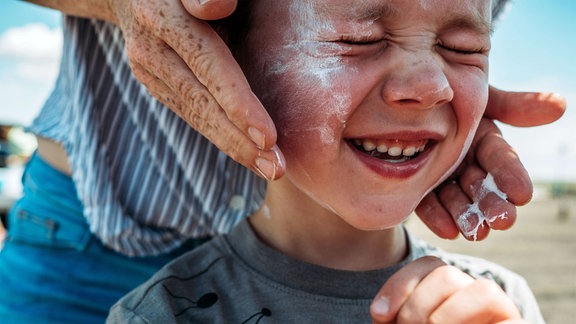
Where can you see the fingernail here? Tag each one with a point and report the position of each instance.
(381, 305)
(266, 168)
(279, 158)
(203, 2)
(257, 137)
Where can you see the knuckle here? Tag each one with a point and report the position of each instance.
(197, 111)
(199, 60)
(488, 288)
(197, 99)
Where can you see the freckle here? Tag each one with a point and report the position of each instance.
(190, 36)
(161, 13)
(218, 89)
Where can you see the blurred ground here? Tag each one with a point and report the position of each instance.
(541, 246)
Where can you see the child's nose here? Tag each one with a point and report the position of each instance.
(418, 83)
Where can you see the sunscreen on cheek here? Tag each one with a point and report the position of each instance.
(318, 69)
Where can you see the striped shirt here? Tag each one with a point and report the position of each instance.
(148, 182)
(146, 179)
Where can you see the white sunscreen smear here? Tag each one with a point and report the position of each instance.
(473, 218)
(319, 63)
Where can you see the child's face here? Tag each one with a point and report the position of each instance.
(375, 101)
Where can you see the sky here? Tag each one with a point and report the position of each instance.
(533, 49)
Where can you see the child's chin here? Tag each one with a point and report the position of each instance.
(376, 222)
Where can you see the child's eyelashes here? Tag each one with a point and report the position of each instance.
(465, 55)
(462, 50)
(353, 45)
(379, 41)
(359, 41)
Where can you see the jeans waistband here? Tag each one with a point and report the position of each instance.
(49, 212)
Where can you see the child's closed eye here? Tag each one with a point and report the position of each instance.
(354, 45)
(463, 51)
(360, 41)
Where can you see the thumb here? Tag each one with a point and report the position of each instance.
(524, 108)
(210, 9)
(399, 287)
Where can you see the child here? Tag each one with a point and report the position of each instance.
(376, 102)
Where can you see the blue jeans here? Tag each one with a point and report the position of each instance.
(52, 269)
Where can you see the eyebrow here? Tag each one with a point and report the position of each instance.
(473, 23)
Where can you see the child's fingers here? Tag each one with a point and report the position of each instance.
(399, 287)
(481, 302)
(438, 286)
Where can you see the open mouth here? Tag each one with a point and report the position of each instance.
(392, 151)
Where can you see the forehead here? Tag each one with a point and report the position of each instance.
(474, 14)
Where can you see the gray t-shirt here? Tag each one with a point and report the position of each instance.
(236, 278)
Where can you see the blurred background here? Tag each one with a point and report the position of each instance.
(533, 50)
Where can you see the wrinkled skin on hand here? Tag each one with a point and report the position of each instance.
(184, 64)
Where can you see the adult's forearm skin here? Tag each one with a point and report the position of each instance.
(99, 9)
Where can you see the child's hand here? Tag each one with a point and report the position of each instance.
(429, 291)
(442, 209)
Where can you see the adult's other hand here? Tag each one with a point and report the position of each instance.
(485, 190)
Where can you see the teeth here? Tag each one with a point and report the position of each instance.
(409, 151)
(382, 148)
(393, 150)
(369, 145)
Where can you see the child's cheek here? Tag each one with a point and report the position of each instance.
(310, 109)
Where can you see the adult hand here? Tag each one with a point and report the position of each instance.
(429, 291)
(185, 64)
(468, 203)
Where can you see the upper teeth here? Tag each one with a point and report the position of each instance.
(393, 149)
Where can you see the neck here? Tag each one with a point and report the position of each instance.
(301, 229)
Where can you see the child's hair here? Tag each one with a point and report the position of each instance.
(234, 28)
